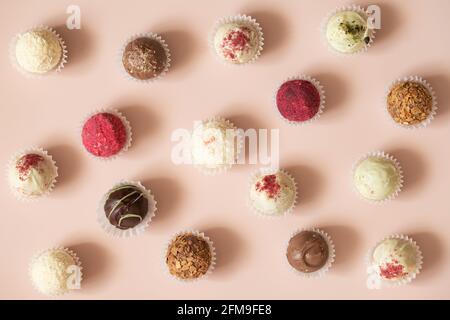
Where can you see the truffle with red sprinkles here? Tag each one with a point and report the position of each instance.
(272, 194)
(32, 174)
(105, 134)
(298, 100)
(395, 259)
(239, 41)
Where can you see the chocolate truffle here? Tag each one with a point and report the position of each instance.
(395, 259)
(188, 256)
(409, 103)
(144, 58)
(307, 251)
(272, 194)
(125, 206)
(104, 134)
(32, 175)
(237, 42)
(298, 100)
(38, 51)
(377, 178)
(347, 32)
(49, 271)
(214, 144)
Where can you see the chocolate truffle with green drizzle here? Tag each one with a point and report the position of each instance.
(126, 206)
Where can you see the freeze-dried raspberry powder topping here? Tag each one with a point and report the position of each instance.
(392, 270)
(298, 100)
(104, 135)
(26, 163)
(236, 41)
(269, 185)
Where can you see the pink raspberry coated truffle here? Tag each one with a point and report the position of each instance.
(298, 100)
(104, 135)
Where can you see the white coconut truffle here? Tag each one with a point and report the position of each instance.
(273, 194)
(237, 42)
(38, 51)
(52, 271)
(214, 144)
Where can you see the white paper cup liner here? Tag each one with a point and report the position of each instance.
(266, 171)
(239, 19)
(16, 65)
(66, 250)
(363, 13)
(131, 232)
(236, 147)
(381, 282)
(384, 155)
(125, 122)
(318, 87)
(197, 234)
(149, 35)
(331, 255)
(12, 162)
(434, 106)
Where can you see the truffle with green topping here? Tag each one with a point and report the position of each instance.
(347, 32)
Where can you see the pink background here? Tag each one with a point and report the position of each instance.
(250, 250)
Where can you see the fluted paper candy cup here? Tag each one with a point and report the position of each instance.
(133, 231)
(431, 92)
(212, 255)
(376, 280)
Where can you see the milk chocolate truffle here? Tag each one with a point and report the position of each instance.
(32, 175)
(307, 251)
(144, 58)
(125, 206)
(38, 51)
(409, 103)
(50, 273)
(188, 256)
(395, 259)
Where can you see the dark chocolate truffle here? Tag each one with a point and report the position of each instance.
(307, 251)
(144, 58)
(126, 206)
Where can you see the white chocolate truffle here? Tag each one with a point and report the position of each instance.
(214, 144)
(38, 51)
(31, 175)
(273, 194)
(376, 178)
(395, 259)
(237, 42)
(347, 32)
(51, 271)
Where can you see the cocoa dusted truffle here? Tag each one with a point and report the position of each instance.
(144, 58)
(307, 251)
(126, 206)
(188, 256)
